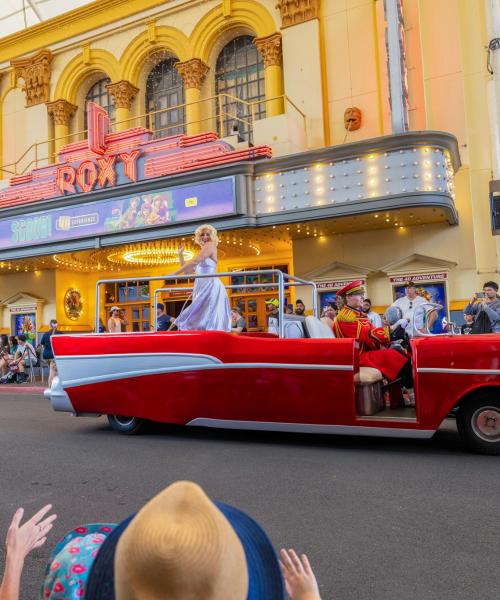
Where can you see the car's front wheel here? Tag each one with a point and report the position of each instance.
(126, 425)
(478, 423)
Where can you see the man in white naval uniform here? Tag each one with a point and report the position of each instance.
(407, 305)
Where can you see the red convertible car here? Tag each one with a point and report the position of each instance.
(310, 382)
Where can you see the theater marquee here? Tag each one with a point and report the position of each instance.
(162, 207)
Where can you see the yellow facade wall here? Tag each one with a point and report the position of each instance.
(446, 79)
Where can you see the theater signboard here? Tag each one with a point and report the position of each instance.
(106, 168)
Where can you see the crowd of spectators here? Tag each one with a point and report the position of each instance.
(482, 314)
(16, 358)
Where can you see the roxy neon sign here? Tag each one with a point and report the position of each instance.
(88, 173)
(111, 159)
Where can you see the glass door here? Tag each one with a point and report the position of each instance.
(139, 317)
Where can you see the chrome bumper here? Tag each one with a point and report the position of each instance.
(58, 397)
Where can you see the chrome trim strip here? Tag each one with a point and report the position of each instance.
(201, 367)
(459, 371)
(141, 355)
(391, 432)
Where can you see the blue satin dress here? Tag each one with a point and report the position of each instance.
(209, 309)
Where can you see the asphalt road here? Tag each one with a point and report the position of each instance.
(380, 519)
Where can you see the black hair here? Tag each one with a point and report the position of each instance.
(21, 337)
(491, 284)
(368, 300)
(298, 302)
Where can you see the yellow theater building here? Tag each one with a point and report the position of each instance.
(334, 139)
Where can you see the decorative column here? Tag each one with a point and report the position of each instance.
(294, 12)
(61, 112)
(123, 93)
(193, 73)
(35, 71)
(270, 49)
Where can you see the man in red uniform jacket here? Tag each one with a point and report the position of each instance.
(374, 342)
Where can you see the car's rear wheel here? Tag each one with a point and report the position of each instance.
(478, 423)
(126, 425)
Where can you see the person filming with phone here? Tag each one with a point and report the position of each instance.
(485, 308)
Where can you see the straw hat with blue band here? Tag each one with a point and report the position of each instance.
(183, 545)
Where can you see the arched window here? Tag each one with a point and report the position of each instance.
(99, 94)
(164, 92)
(239, 73)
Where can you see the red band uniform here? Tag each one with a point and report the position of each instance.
(373, 341)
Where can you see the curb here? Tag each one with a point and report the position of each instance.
(20, 389)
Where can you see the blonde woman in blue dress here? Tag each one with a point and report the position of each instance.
(209, 309)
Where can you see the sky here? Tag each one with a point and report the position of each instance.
(15, 15)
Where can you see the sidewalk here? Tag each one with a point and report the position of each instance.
(21, 388)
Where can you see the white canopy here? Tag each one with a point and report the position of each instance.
(18, 14)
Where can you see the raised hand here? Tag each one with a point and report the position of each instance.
(299, 578)
(21, 539)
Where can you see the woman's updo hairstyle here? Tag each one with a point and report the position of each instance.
(213, 234)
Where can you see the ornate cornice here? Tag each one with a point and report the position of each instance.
(61, 111)
(35, 71)
(294, 12)
(193, 72)
(123, 93)
(270, 49)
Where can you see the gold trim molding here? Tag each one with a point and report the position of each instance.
(294, 12)
(35, 71)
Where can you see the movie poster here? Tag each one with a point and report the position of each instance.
(326, 298)
(26, 323)
(432, 291)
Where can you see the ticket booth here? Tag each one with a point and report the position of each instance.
(333, 277)
(23, 312)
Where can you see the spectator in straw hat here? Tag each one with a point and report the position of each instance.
(117, 322)
(179, 546)
(114, 321)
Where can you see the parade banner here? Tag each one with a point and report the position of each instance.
(163, 207)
